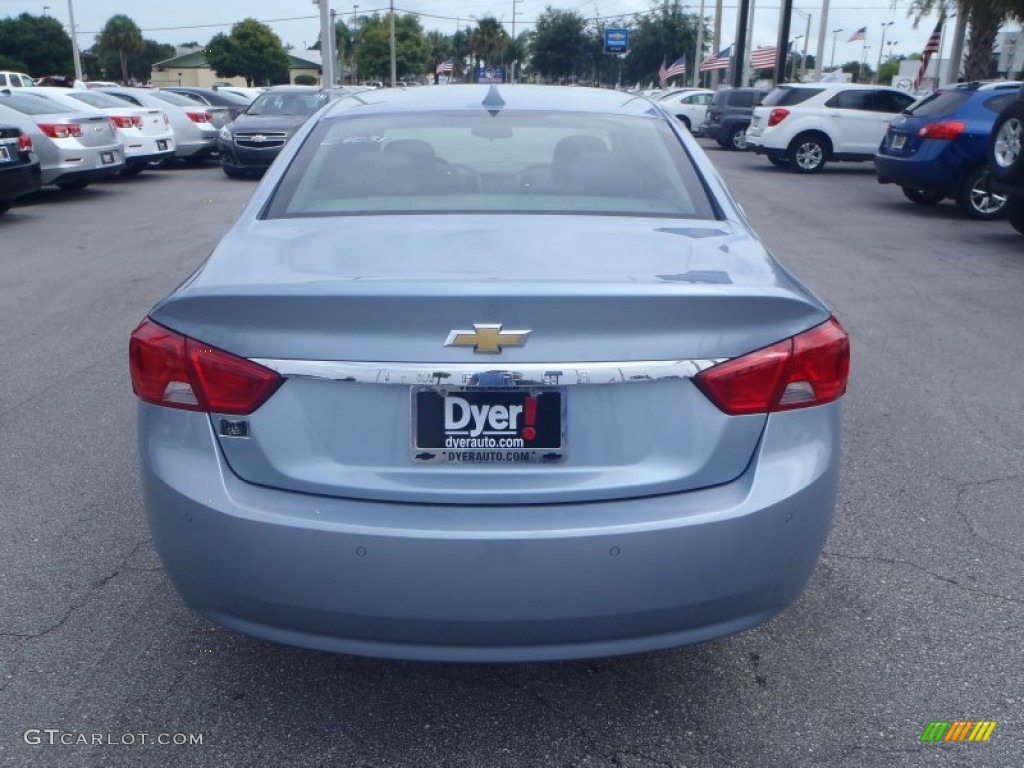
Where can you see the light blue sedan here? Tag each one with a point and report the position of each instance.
(490, 374)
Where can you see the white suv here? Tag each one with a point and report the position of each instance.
(689, 105)
(804, 126)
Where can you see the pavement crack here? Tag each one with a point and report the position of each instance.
(958, 507)
(897, 562)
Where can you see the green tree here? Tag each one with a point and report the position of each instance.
(140, 65)
(861, 73)
(488, 41)
(890, 69)
(252, 51)
(122, 36)
(665, 33)
(561, 45)
(37, 45)
(373, 50)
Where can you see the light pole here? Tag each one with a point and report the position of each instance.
(796, 71)
(806, 38)
(514, 14)
(326, 43)
(832, 58)
(74, 42)
(881, 46)
(863, 61)
(355, 39)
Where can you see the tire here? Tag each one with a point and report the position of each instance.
(975, 199)
(1006, 144)
(1015, 213)
(779, 162)
(72, 186)
(737, 140)
(808, 152)
(922, 196)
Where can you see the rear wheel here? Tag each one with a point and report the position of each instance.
(738, 139)
(72, 186)
(975, 198)
(922, 196)
(809, 153)
(1005, 151)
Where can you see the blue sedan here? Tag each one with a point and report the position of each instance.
(490, 374)
(936, 148)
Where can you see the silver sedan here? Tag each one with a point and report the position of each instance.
(490, 373)
(74, 147)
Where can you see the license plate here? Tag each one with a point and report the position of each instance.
(4, 156)
(487, 425)
(106, 157)
(899, 140)
(161, 144)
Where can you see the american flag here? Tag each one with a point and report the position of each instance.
(763, 57)
(445, 67)
(678, 68)
(860, 34)
(930, 49)
(719, 61)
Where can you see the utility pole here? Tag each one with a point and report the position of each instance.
(745, 65)
(716, 44)
(819, 57)
(74, 42)
(326, 43)
(338, 56)
(739, 53)
(355, 21)
(832, 58)
(782, 44)
(391, 42)
(515, 61)
(700, 47)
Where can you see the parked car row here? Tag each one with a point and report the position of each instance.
(933, 148)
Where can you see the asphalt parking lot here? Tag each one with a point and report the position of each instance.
(913, 615)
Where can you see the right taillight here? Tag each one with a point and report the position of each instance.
(61, 130)
(199, 117)
(24, 142)
(777, 115)
(174, 371)
(808, 369)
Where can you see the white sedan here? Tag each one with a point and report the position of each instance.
(145, 131)
(688, 105)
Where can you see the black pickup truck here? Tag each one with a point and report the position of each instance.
(1006, 159)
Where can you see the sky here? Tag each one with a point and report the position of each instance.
(297, 21)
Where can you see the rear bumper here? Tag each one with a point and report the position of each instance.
(19, 180)
(927, 170)
(714, 131)
(197, 149)
(759, 149)
(500, 583)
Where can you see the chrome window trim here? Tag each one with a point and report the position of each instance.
(458, 374)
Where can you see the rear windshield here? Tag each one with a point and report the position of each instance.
(98, 100)
(287, 103)
(529, 162)
(32, 104)
(938, 104)
(787, 97)
(176, 99)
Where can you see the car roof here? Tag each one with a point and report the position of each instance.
(494, 97)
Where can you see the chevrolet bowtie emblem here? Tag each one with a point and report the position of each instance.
(486, 338)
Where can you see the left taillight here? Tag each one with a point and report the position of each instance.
(808, 369)
(199, 117)
(24, 142)
(175, 371)
(947, 130)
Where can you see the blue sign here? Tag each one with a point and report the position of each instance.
(490, 74)
(616, 40)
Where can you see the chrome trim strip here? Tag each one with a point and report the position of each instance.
(459, 374)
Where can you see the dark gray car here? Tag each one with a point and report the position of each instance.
(250, 144)
(729, 115)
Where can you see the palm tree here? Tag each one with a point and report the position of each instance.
(488, 39)
(123, 35)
